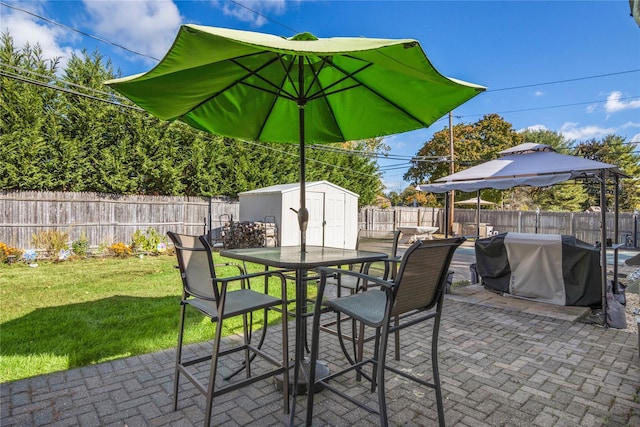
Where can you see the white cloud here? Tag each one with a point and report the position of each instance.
(630, 125)
(635, 138)
(615, 104)
(572, 131)
(146, 26)
(533, 128)
(538, 93)
(251, 11)
(23, 28)
(394, 184)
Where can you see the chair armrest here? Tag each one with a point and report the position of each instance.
(326, 271)
(245, 279)
(250, 276)
(230, 264)
(390, 268)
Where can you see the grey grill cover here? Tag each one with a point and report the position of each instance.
(556, 269)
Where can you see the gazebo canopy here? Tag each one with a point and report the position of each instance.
(474, 202)
(536, 165)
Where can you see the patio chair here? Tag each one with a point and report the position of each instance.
(419, 286)
(219, 299)
(372, 241)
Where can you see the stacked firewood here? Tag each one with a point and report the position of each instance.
(247, 234)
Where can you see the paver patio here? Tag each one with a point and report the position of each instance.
(500, 366)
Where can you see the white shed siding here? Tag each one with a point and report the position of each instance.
(351, 222)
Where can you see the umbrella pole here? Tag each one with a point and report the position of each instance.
(303, 213)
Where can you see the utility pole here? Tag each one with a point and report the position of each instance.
(451, 171)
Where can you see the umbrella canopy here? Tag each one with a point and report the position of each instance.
(261, 87)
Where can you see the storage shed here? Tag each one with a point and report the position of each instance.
(333, 213)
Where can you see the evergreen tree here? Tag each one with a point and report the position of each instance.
(28, 119)
(614, 150)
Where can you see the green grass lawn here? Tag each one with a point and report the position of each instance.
(76, 313)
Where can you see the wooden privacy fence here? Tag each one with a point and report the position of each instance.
(108, 218)
(583, 225)
(372, 218)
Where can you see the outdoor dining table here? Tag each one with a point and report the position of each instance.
(292, 258)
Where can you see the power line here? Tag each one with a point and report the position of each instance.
(410, 160)
(136, 108)
(307, 158)
(565, 81)
(63, 89)
(295, 31)
(78, 31)
(551, 106)
(385, 156)
(363, 153)
(50, 78)
(264, 16)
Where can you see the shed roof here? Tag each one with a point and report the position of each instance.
(295, 186)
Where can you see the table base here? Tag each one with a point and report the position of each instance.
(322, 370)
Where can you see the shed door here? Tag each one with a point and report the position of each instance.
(315, 205)
(334, 220)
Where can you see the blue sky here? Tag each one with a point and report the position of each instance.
(569, 66)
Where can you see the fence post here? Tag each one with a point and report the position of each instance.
(635, 228)
(519, 222)
(571, 226)
(372, 221)
(210, 232)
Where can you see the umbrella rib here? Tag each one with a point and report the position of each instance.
(279, 92)
(287, 67)
(379, 95)
(239, 81)
(324, 92)
(277, 88)
(316, 74)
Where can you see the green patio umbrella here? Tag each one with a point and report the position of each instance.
(303, 89)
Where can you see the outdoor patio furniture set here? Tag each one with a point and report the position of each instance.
(378, 303)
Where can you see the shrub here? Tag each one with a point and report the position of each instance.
(80, 247)
(148, 241)
(51, 241)
(120, 250)
(6, 251)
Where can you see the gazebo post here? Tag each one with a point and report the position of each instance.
(446, 214)
(616, 231)
(478, 214)
(603, 244)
